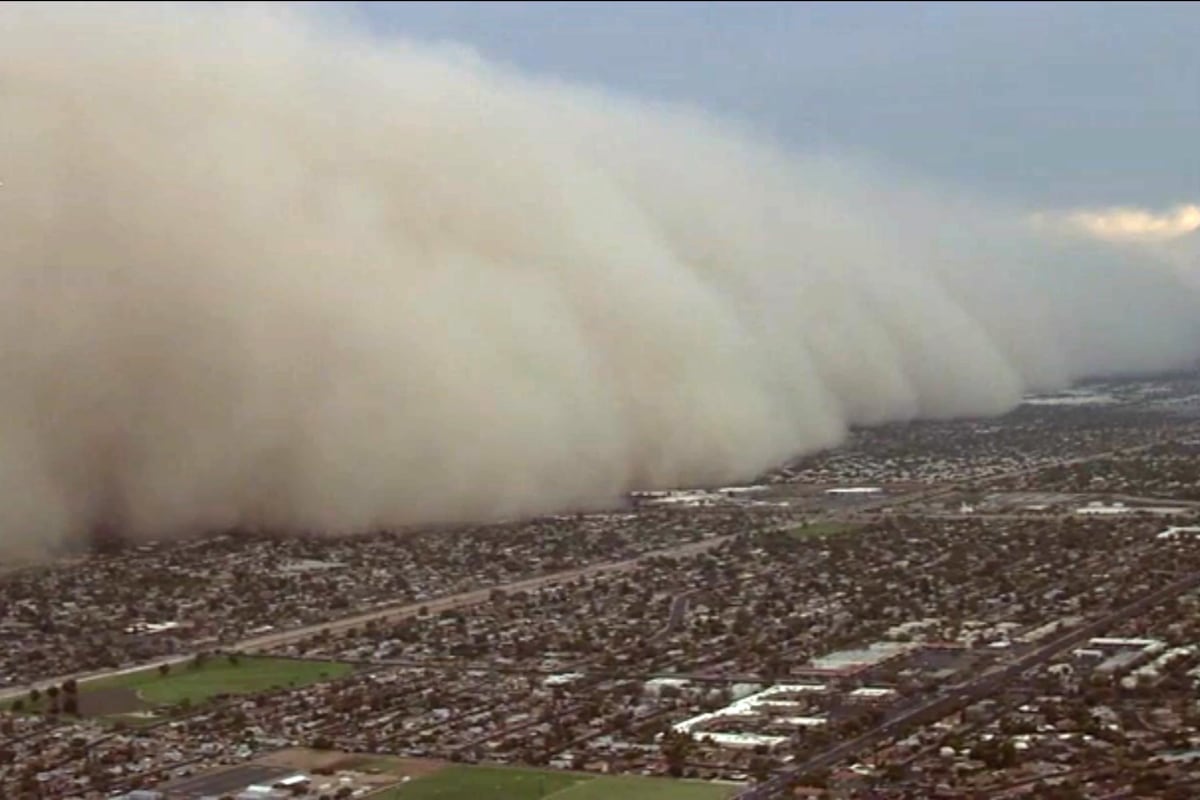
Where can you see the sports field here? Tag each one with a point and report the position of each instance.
(634, 788)
(220, 676)
(504, 783)
(147, 689)
(816, 530)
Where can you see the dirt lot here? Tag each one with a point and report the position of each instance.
(410, 767)
(303, 759)
(387, 767)
(107, 702)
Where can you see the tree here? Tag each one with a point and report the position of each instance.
(164, 670)
(1148, 783)
(817, 778)
(1007, 756)
(71, 705)
(676, 748)
(1069, 791)
(70, 686)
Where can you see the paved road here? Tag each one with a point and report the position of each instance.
(987, 480)
(475, 597)
(679, 607)
(277, 638)
(961, 695)
(1154, 501)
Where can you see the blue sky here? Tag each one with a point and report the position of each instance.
(1047, 104)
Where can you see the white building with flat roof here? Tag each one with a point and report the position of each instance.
(764, 705)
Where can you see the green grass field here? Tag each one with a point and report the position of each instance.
(634, 788)
(504, 783)
(188, 682)
(467, 783)
(219, 676)
(817, 529)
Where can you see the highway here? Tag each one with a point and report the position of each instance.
(958, 696)
(945, 703)
(274, 639)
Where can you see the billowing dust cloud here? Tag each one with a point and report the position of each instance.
(257, 273)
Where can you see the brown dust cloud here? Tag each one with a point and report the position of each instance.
(259, 270)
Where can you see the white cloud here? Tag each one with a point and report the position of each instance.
(1130, 224)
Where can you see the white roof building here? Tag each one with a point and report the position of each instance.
(761, 705)
(1175, 531)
